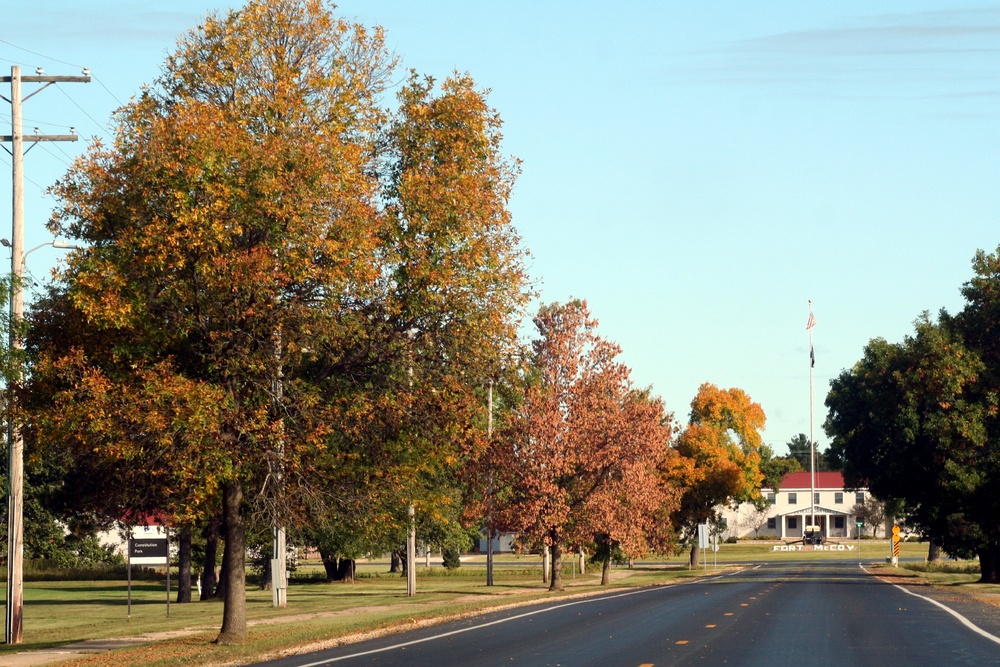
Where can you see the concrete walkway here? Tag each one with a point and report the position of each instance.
(36, 657)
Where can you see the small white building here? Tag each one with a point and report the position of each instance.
(118, 535)
(790, 509)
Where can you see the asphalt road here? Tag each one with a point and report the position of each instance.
(822, 613)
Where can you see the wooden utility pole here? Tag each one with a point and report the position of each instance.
(15, 442)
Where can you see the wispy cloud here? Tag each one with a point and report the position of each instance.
(931, 55)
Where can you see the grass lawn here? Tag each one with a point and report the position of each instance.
(57, 613)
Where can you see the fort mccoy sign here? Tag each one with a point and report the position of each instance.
(813, 547)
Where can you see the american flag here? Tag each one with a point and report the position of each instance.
(811, 323)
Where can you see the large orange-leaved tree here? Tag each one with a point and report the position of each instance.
(720, 456)
(227, 225)
(316, 286)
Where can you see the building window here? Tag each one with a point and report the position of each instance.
(838, 522)
(838, 498)
(859, 497)
(816, 498)
(772, 523)
(793, 522)
(793, 498)
(772, 498)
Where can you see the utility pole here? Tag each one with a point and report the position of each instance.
(489, 491)
(279, 578)
(411, 530)
(15, 442)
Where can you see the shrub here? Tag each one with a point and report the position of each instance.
(451, 558)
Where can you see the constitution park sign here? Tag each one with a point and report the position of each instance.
(148, 551)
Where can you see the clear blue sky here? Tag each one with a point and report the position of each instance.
(697, 171)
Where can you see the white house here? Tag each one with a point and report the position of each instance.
(790, 509)
(118, 535)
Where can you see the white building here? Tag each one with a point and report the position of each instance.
(789, 509)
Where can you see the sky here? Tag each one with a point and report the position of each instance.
(698, 172)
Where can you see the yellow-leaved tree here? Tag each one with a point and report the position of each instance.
(720, 456)
(287, 289)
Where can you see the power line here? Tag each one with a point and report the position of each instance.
(40, 55)
(84, 111)
(62, 62)
(113, 96)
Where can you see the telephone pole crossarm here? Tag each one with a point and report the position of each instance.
(42, 137)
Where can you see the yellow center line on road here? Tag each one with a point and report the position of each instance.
(682, 641)
(646, 664)
(710, 626)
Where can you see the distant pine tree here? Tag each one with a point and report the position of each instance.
(451, 558)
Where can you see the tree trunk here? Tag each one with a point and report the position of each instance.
(695, 555)
(606, 572)
(401, 559)
(234, 612)
(220, 587)
(209, 580)
(329, 565)
(345, 570)
(934, 551)
(184, 565)
(266, 574)
(989, 564)
(556, 578)
(394, 562)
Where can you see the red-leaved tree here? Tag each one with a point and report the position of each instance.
(584, 453)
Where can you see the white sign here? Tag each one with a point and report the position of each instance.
(816, 547)
(703, 536)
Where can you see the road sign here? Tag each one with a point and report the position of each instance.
(703, 535)
(148, 551)
(895, 534)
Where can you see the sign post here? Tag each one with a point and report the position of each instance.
(860, 526)
(703, 538)
(148, 551)
(895, 546)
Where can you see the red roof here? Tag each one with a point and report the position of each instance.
(801, 480)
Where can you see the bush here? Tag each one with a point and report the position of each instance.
(451, 558)
(946, 567)
(48, 570)
(732, 539)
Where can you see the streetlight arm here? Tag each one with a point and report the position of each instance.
(54, 244)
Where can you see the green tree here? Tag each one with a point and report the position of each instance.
(911, 421)
(774, 468)
(871, 513)
(800, 449)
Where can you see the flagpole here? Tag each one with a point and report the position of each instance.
(812, 443)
